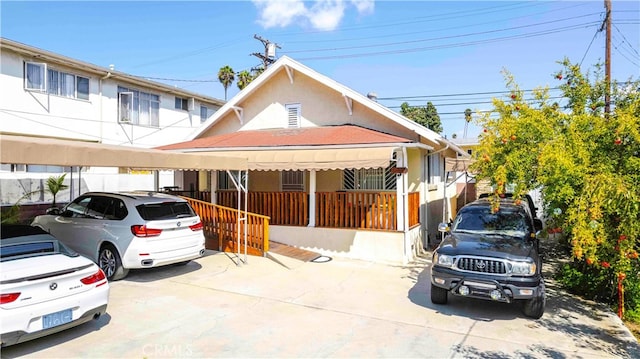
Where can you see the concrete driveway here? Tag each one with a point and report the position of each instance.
(342, 308)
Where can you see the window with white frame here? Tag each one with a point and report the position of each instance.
(293, 115)
(204, 113)
(138, 107)
(435, 169)
(55, 82)
(292, 181)
(34, 76)
(374, 179)
(182, 104)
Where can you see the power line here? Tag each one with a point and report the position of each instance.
(439, 38)
(458, 94)
(446, 46)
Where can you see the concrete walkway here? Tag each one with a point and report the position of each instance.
(213, 307)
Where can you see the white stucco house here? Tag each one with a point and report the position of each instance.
(51, 95)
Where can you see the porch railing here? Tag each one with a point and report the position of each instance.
(221, 228)
(283, 208)
(370, 210)
(363, 210)
(200, 195)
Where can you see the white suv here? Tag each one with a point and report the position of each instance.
(121, 231)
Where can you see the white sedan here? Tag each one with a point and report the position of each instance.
(45, 287)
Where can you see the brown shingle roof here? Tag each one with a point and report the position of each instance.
(308, 136)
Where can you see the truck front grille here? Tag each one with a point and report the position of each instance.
(481, 265)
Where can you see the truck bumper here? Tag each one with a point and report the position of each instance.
(500, 289)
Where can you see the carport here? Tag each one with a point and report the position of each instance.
(16, 149)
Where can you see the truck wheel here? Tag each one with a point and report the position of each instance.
(534, 307)
(438, 295)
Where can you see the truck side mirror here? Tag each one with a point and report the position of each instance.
(537, 224)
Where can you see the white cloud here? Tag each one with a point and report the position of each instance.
(365, 7)
(326, 14)
(278, 13)
(322, 15)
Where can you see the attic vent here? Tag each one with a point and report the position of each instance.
(293, 115)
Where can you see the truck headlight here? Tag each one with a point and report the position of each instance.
(443, 260)
(523, 268)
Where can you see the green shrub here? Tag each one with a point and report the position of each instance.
(600, 284)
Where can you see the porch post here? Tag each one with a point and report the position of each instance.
(401, 192)
(156, 180)
(214, 187)
(312, 198)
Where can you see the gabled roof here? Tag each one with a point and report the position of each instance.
(345, 135)
(292, 67)
(42, 55)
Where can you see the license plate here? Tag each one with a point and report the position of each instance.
(58, 318)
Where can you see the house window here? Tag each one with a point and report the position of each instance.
(435, 169)
(375, 179)
(34, 76)
(182, 104)
(292, 181)
(56, 82)
(82, 88)
(47, 169)
(224, 182)
(138, 107)
(6, 167)
(293, 115)
(204, 113)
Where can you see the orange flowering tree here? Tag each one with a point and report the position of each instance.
(586, 164)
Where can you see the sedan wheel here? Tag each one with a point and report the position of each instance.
(110, 263)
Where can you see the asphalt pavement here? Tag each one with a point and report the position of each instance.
(219, 307)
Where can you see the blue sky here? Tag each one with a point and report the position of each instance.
(450, 53)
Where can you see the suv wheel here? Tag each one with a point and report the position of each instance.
(109, 261)
(534, 307)
(438, 295)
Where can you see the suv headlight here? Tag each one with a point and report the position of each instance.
(523, 268)
(443, 260)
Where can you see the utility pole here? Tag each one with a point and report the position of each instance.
(269, 55)
(607, 59)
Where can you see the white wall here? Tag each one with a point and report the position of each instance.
(36, 113)
(378, 246)
(14, 185)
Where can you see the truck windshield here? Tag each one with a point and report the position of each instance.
(510, 222)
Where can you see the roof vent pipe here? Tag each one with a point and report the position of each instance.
(373, 96)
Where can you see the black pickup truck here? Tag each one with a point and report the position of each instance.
(492, 255)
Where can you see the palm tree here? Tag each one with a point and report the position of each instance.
(226, 77)
(244, 79)
(55, 185)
